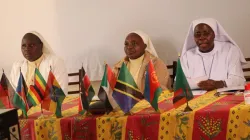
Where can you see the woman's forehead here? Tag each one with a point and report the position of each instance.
(31, 37)
(202, 26)
(134, 36)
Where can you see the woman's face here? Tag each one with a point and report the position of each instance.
(31, 47)
(134, 46)
(204, 37)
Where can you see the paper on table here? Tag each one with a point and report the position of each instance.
(198, 92)
(231, 90)
(235, 88)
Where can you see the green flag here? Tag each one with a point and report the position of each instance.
(182, 91)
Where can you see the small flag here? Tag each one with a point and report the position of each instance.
(4, 100)
(37, 91)
(152, 89)
(7, 89)
(126, 92)
(87, 92)
(106, 87)
(20, 99)
(182, 91)
(54, 96)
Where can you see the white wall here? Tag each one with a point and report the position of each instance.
(80, 30)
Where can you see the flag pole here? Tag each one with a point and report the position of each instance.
(41, 101)
(22, 110)
(82, 91)
(188, 108)
(107, 111)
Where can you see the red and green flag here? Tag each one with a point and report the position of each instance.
(87, 92)
(152, 89)
(106, 87)
(54, 96)
(7, 90)
(36, 92)
(182, 90)
(126, 92)
(4, 99)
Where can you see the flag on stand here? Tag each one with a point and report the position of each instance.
(126, 92)
(20, 99)
(106, 87)
(8, 90)
(152, 89)
(54, 96)
(182, 91)
(87, 92)
(37, 91)
(4, 99)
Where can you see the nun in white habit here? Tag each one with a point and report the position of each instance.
(210, 58)
(139, 51)
(38, 54)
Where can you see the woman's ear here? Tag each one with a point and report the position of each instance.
(145, 46)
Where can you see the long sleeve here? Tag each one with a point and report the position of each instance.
(184, 65)
(162, 74)
(235, 75)
(61, 74)
(13, 76)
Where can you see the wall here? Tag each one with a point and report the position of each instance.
(91, 32)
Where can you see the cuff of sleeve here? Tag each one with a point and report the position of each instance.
(228, 82)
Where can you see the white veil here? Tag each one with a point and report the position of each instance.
(46, 47)
(220, 35)
(150, 47)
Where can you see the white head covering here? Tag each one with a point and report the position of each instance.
(220, 35)
(46, 47)
(150, 47)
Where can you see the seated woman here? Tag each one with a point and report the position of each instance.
(210, 58)
(38, 54)
(139, 51)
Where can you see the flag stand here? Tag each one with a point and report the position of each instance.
(23, 116)
(128, 114)
(157, 111)
(41, 116)
(88, 113)
(188, 108)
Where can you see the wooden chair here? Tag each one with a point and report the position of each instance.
(75, 83)
(173, 67)
(247, 70)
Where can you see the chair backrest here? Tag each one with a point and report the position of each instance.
(173, 67)
(247, 70)
(76, 83)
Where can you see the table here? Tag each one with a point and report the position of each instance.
(218, 118)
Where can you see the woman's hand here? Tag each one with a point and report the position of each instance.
(211, 84)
